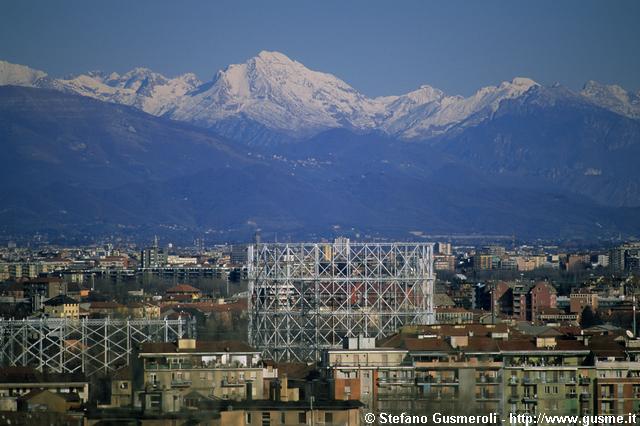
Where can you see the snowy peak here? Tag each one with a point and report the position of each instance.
(142, 88)
(613, 98)
(427, 112)
(278, 93)
(19, 75)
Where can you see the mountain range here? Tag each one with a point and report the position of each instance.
(273, 145)
(272, 97)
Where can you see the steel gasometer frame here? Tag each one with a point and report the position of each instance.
(89, 346)
(307, 297)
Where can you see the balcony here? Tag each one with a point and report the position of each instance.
(513, 381)
(180, 383)
(154, 366)
(571, 395)
(531, 399)
(585, 396)
(487, 397)
(487, 380)
(433, 381)
(233, 382)
(584, 380)
(514, 399)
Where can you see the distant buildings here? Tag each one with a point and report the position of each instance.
(239, 254)
(38, 290)
(625, 257)
(182, 293)
(62, 306)
(579, 299)
(518, 300)
(153, 257)
(25, 385)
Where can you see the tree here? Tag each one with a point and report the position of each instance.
(588, 318)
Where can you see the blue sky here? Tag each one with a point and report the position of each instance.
(379, 47)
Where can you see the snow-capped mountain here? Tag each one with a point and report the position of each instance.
(20, 75)
(614, 98)
(281, 94)
(284, 95)
(141, 88)
(273, 94)
(429, 111)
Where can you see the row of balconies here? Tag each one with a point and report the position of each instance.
(188, 366)
(437, 380)
(530, 381)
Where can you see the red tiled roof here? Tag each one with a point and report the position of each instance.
(482, 344)
(428, 344)
(182, 288)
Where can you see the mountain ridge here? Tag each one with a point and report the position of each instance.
(271, 97)
(78, 166)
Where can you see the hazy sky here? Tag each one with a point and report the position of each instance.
(379, 47)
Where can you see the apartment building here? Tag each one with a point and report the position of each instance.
(380, 378)
(474, 368)
(178, 374)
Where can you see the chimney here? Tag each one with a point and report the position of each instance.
(284, 388)
(186, 343)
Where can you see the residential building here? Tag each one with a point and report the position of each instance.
(220, 369)
(322, 412)
(18, 381)
(40, 289)
(581, 298)
(378, 377)
(62, 307)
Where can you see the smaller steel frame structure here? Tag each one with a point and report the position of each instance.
(306, 297)
(67, 345)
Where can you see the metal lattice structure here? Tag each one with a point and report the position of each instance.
(307, 297)
(66, 345)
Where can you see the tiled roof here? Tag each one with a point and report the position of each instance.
(61, 300)
(183, 288)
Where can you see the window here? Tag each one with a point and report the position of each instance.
(248, 418)
(266, 418)
(124, 385)
(283, 418)
(328, 418)
(154, 401)
(302, 417)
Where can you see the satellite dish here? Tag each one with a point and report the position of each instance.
(629, 334)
